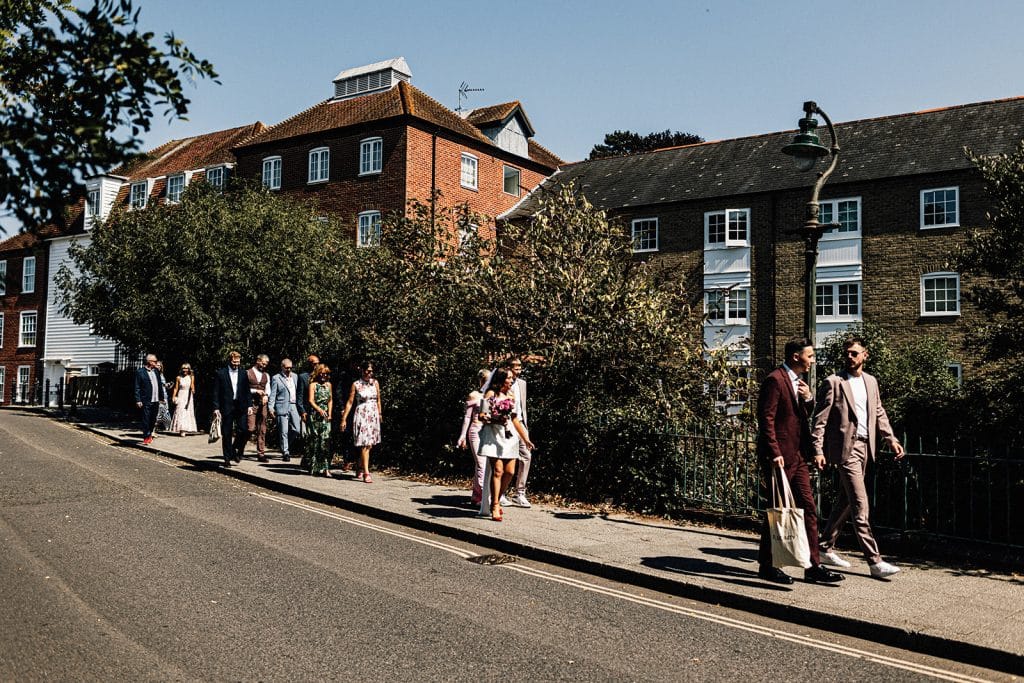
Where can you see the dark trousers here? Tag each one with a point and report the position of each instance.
(149, 413)
(239, 421)
(800, 482)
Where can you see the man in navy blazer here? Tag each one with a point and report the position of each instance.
(149, 394)
(232, 401)
(784, 441)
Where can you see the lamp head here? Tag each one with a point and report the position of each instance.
(806, 147)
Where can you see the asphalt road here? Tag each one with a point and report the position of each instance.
(116, 564)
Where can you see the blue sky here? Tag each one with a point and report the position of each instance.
(719, 69)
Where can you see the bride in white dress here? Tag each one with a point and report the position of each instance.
(184, 399)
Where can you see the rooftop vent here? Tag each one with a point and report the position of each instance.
(371, 78)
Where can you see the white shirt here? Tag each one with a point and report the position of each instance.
(153, 380)
(794, 380)
(289, 381)
(233, 375)
(860, 404)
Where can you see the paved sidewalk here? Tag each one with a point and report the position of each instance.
(976, 617)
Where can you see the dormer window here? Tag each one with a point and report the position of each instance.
(175, 188)
(319, 163)
(92, 205)
(371, 156)
(272, 173)
(139, 194)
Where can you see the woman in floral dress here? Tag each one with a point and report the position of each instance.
(499, 439)
(365, 394)
(320, 402)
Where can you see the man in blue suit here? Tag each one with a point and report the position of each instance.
(285, 405)
(232, 402)
(149, 394)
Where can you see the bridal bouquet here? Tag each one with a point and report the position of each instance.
(501, 411)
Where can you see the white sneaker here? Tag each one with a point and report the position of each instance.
(883, 570)
(520, 500)
(833, 558)
(504, 501)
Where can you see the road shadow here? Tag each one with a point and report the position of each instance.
(573, 515)
(741, 554)
(447, 506)
(688, 530)
(697, 566)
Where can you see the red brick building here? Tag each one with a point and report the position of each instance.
(379, 142)
(23, 276)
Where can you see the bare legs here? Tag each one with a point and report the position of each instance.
(364, 464)
(501, 476)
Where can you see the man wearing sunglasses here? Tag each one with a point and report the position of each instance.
(848, 419)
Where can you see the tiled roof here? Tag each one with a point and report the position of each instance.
(542, 155)
(402, 100)
(904, 144)
(497, 114)
(189, 154)
(18, 242)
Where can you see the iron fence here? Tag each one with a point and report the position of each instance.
(973, 496)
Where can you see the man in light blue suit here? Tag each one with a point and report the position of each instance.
(285, 402)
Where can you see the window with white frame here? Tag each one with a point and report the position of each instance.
(139, 193)
(510, 180)
(371, 156)
(369, 229)
(215, 177)
(845, 212)
(466, 232)
(3, 277)
(468, 175)
(645, 234)
(838, 301)
(28, 275)
(319, 164)
(175, 187)
(1, 330)
(737, 306)
(3, 382)
(24, 380)
(714, 306)
(956, 371)
(27, 331)
(940, 294)
(940, 208)
(728, 228)
(92, 204)
(272, 173)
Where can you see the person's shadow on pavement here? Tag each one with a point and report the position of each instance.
(698, 566)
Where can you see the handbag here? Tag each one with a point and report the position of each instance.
(786, 524)
(214, 429)
(163, 416)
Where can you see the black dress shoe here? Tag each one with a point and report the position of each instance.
(238, 457)
(264, 458)
(227, 462)
(775, 575)
(286, 458)
(818, 574)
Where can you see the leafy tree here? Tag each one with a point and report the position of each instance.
(623, 142)
(920, 395)
(995, 257)
(77, 87)
(244, 269)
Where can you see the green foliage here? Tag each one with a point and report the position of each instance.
(246, 269)
(995, 257)
(623, 142)
(920, 394)
(77, 87)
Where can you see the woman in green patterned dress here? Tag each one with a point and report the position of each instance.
(320, 399)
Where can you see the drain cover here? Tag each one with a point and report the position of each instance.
(496, 558)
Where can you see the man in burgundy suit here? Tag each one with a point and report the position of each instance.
(784, 440)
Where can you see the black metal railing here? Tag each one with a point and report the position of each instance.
(973, 496)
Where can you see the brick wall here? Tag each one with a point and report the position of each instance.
(12, 304)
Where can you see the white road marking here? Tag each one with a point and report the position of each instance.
(807, 641)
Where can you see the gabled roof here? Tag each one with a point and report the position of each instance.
(498, 115)
(904, 144)
(398, 64)
(188, 154)
(401, 100)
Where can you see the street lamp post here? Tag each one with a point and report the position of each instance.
(806, 149)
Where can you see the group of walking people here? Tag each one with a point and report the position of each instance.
(494, 430)
(244, 401)
(843, 425)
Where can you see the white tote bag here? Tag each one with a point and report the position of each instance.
(786, 523)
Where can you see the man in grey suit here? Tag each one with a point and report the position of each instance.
(514, 366)
(284, 403)
(848, 419)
